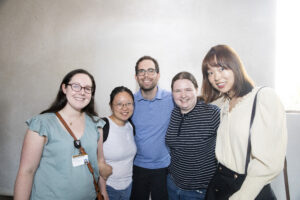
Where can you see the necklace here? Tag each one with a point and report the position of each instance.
(74, 120)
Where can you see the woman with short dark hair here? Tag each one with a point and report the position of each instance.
(119, 147)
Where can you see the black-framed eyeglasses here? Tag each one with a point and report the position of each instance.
(77, 88)
(142, 72)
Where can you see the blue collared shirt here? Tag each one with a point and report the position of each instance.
(151, 119)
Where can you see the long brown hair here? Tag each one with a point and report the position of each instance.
(225, 56)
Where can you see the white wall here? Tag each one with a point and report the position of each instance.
(43, 40)
(292, 157)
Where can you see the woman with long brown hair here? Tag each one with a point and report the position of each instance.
(225, 81)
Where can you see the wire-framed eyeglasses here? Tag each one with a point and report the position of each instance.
(121, 105)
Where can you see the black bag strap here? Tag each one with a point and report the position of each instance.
(133, 126)
(249, 137)
(285, 174)
(106, 128)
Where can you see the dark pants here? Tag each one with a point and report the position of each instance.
(146, 181)
(226, 182)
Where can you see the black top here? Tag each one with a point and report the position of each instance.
(191, 139)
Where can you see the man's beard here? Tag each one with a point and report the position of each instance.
(148, 89)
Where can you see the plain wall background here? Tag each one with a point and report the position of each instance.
(40, 41)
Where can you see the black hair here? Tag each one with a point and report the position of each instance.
(117, 90)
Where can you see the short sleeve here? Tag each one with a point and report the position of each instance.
(38, 124)
(99, 123)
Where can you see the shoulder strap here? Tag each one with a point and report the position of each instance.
(286, 182)
(105, 129)
(65, 125)
(249, 137)
(82, 151)
(133, 126)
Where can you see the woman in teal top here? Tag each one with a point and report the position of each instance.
(51, 167)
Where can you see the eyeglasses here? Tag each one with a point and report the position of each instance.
(142, 72)
(121, 105)
(77, 88)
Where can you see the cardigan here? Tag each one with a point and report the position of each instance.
(268, 140)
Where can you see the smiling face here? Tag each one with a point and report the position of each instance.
(185, 95)
(147, 82)
(221, 79)
(122, 107)
(78, 100)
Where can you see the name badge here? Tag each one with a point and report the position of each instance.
(79, 160)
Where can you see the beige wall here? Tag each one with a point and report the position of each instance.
(42, 40)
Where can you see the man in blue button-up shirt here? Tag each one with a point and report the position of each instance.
(153, 107)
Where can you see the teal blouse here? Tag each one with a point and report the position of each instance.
(55, 177)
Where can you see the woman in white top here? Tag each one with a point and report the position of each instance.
(225, 80)
(119, 148)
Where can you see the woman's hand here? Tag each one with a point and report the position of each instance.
(102, 186)
(105, 195)
(105, 169)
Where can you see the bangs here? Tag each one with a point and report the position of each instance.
(213, 60)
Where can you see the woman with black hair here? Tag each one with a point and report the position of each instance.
(119, 147)
(52, 164)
